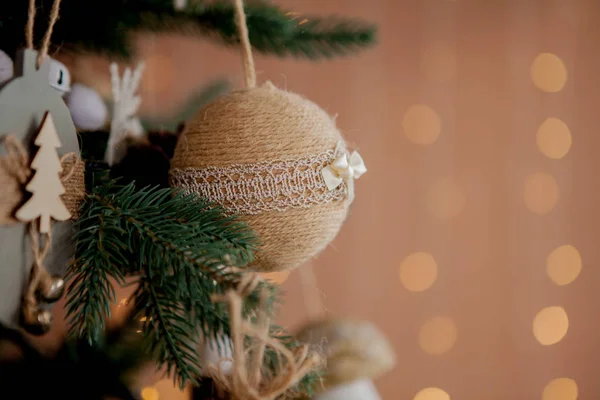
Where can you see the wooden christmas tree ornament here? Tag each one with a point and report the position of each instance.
(45, 185)
(275, 159)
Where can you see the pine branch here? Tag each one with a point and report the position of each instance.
(168, 325)
(99, 255)
(281, 33)
(177, 245)
(106, 26)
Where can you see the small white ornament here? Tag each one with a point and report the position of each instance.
(218, 355)
(6, 67)
(59, 77)
(88, 110)
(363, 389)
(126, 104)
(179, 4)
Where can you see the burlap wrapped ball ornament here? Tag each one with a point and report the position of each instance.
(275, 159)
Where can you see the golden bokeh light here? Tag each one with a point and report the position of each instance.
(445, 199)
(432, 393)
(438, 62)
(149, 393)
(167, 389)
(554, 138)
(438, 335)
(550, 325)
(541, 193)
(563, 264)
(548, 73)
(561, 389)
(418, 272)
(276, 277)
(422, 125)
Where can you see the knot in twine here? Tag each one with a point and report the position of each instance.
(247, 380)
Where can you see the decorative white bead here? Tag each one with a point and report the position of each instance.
(59, 77)
(88, 110)
(179, 4)
(6, 67)
(214, 356)
(357, 390)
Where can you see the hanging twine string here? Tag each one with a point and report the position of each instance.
(247, 380)
(54, 13)
(46, 41)
(247, 58)
(29, 26)
(313, 302)
(38, 269)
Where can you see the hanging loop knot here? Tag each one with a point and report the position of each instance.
(345, 168)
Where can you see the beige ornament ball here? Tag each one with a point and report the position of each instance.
(357, 352)
(279, 162)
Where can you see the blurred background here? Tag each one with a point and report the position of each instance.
(472, 241)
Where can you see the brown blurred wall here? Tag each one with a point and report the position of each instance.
(478, 213)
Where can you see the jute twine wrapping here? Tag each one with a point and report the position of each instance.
(73, 179)
(266, 124)
(248, 379)
(15, 172)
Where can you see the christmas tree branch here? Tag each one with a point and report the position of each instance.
(166, 322)
(91, 292)
(107, 27)
(177, 245)
(275, 31)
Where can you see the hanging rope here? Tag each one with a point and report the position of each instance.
(248, 381)
(29, 26)
(38, 269)
(46, 41)
(54, 13)
(247, 58)
(313, 302)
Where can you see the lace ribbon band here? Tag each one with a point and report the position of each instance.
(268, 186)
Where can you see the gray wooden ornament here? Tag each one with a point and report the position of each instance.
(24, 100)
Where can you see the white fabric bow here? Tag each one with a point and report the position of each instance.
(345, 168)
